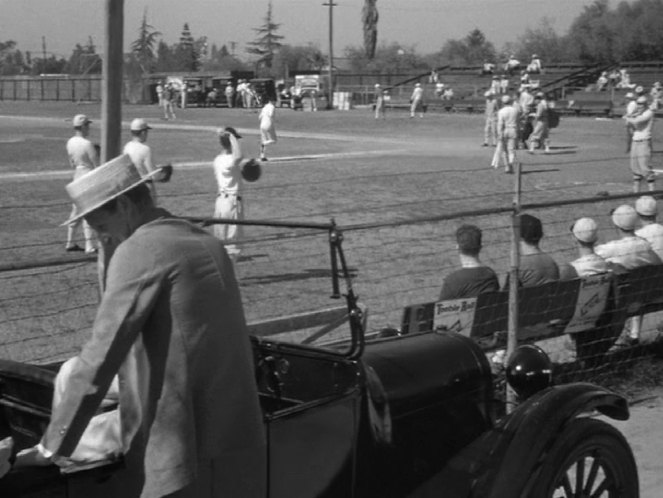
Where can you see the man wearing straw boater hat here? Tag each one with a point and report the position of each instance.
(171, 326)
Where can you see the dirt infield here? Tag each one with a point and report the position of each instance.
(340, 165)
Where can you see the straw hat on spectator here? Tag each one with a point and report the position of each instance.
(585, 230)
(139, 124)
(110, 180)
(646, 206)
(625, 217)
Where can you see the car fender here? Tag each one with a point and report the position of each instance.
(501, 461)
(523, 438)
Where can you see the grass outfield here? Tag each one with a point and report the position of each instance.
(378, 177)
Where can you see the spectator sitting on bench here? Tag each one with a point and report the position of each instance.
(585, 233)
(536, 267)
(629, 251)
(651, 231)
(473, 277)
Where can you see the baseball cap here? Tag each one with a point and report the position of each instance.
(506, 99)
(229, 129)
(539, 95)
(417, 84)
(488, 94)
(625, 217)
(639, 90)
(139, 124)
(646, 205)
(630, 95)
(641, 100)
(585, 230)
(377, 85)
(80, 120)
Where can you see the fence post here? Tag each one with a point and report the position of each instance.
(512, 337)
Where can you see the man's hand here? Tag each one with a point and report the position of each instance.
(6, 447)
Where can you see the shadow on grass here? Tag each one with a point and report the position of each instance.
(529, 172)
(306, 274)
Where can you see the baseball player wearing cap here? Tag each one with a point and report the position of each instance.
(651, 231)
(379, 102)
(83, 159)
(227, 170)
(629, 251)
(585, 234)
(169, 99)
(267, 127)
(631, 110)
(540, 134)
(507, 134)
(495, 85)
(642, 123)
(417, 101)
(141, 153)
(490, 128)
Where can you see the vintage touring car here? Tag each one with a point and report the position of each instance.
(414, 415)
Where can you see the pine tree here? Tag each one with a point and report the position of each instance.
(267, 44)
(186, 56)
(144, 47)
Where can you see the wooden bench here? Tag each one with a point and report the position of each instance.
(551, 310)
(591, 103)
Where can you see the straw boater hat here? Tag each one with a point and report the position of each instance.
(110, 180)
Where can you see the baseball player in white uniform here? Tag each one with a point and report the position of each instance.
(507, 133)
(227, 170)
(642, 123)
(141, 153)
(83, 158)
(417, 101)
(267, 128)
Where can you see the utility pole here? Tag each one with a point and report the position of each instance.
(232, 48)
(43, 52)
(330, 94)
(111, 82)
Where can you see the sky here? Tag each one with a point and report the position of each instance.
(424, 25)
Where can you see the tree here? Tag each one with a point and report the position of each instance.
(84, 59)
(143, 47)
(186, 56)
(268, 43)
(543, 41)
(296, 58)
(473, 49)
(369, 20)
(11, 59)
(388, 59)
(165, 58)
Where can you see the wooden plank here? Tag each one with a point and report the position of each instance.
(273, 326)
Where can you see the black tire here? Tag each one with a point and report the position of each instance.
(593, 452)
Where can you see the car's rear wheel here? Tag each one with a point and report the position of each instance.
(590, 459)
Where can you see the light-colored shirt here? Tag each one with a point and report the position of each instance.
(417, 93)
(630, 252)
(507, 119)
(267, 114)
(81, 153)
(653, 233)
(227, 169)
(584, 266)
(642, 125)
(141, 155)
